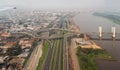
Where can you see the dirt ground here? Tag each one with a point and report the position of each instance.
(73, 49)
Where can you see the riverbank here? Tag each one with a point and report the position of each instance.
(73, 26)
(113, 49)
(88, 57)
(72, 51)
(89, 23)
(93, 53)
(111, 17)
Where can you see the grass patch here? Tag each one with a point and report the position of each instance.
(61, 58)
(115, 21)
(44, 53)
(86, 57)
(52, 66)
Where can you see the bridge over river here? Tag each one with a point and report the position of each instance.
(101, 35)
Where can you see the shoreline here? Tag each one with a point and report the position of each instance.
(98, 47)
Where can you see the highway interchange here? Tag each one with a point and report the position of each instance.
(61, 57)
(58, 60)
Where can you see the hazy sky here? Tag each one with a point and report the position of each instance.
(60, 3)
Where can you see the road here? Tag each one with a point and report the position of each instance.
(65, 55)
(46, 64)
(34, 58)
(58, 57)
(61, 52)
(34, 34)
(36, 54)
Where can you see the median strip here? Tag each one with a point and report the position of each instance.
(45, 50)
(54, 55)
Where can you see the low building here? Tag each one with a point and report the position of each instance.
(23, 55)
(18, 61)
(26, 43)
(6, 45)
(45, 24)
(1, 59)
(5, 34)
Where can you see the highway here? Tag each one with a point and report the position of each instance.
(46, 64)
(65, 55)
(34, 59)
(61, 52)
(58, 57)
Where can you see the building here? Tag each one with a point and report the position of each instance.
(25, 43)
(6, 45)
(5, 34)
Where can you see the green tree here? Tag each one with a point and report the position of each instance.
(14, 51)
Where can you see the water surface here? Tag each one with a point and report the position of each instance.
(89, 23)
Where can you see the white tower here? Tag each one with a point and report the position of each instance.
(113, 32)
(100, 32)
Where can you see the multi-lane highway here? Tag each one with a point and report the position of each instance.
(34, 59)
(58, 58)
(65, 55)
(46, 64)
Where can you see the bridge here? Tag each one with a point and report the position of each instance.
(101, 35)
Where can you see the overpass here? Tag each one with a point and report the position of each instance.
(34, 34)
(48, 29)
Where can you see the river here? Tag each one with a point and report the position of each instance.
(89, 23)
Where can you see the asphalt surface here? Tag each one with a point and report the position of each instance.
(46, 64)
(48, 60)
(65, 56)
(58, 58)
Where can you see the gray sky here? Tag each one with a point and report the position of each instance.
(52, 3)
(112, 3)
(60, 3)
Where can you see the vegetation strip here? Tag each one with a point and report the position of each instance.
(57, 64)
(54, 55)
(45, 50)
(111, 17)
(86, 57)
(61, 58)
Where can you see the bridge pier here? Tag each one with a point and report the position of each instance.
(100, 32)
(113, 33)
